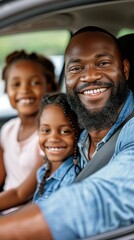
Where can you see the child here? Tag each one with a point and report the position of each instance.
(58, 135)
(27, 78)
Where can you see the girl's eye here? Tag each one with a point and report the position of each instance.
(35, 82)
(66, 131)
(15, 84)
(44, 130)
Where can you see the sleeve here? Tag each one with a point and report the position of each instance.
(101, 202)
(4, 131)
(3, 134)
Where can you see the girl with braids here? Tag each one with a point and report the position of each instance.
(27, 78)
(58, 134)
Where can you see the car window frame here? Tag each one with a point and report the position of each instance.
(123, 233)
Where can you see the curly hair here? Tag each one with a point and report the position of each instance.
(60, 99)
(47, 65)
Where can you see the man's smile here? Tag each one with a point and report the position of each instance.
(94, 91)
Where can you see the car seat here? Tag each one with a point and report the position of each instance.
(127, 46)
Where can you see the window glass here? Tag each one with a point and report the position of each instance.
(51, 43)
(124, 31)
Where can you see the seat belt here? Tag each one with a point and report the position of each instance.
(103, 155)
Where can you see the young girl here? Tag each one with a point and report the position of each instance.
(27, 78)
(58, 135)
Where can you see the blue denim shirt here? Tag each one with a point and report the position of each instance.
(64, 175)
(103, 201)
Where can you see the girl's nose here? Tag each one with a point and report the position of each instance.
(54, 137)
(25, 87)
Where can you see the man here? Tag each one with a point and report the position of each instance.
(97, 89)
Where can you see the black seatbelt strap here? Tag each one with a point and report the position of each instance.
(104, 154)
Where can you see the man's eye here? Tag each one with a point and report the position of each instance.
(103, 63)
(76, 69)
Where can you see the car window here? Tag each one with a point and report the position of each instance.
(124, 233)
(125, 31)
(24, 16)
(50, 43)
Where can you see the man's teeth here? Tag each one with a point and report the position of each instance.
(55, 149)
(94, 91)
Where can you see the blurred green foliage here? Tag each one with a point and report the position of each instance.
(125, 31)
(47, 43)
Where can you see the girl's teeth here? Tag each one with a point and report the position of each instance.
(26, 101)
(55, 149)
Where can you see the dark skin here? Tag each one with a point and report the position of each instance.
(99, 60)
(25, 82)
(27, 223)
(84, 62)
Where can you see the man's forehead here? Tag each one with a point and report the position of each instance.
(87, 39)
(92, 42)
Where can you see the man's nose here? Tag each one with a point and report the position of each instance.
(91, 74)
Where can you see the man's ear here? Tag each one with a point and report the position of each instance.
(126, 65)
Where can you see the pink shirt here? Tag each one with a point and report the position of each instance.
(19, 156)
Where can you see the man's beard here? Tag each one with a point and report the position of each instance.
(104, 118)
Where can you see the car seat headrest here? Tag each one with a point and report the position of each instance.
(127, 47)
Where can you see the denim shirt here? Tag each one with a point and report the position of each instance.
(103, 201)
(84, 143)
(64, 175)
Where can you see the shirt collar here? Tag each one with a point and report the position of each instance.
(63, 169)
(126, 110)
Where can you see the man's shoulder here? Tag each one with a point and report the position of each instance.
(83, 135)
(127, 131)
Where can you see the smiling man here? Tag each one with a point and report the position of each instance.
(96, 80)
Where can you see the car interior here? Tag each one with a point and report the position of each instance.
(127, 47)
(18, 18)
(23, 18)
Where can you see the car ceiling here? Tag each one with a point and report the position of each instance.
(25, 16)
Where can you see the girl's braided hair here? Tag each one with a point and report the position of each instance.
(47, 65)
(61, 100)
